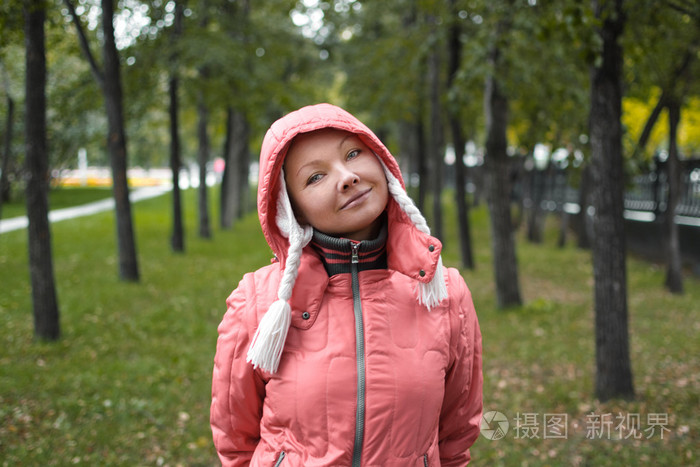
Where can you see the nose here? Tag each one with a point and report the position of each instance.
(347, 179)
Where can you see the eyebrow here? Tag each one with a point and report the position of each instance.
(340, 145)
(342, 141)
(313, 162)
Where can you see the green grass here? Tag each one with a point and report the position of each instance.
(539, 359)
(129, 381)
(58, 198)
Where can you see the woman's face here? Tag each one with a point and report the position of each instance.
(336, 184)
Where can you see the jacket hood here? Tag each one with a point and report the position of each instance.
(410, 248)
(274, 150)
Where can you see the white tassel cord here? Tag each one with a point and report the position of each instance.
(435, 291)
(266, 348)
(267, 345)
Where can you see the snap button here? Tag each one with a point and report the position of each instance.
(421, 273)
(305, 315)
(431, 248)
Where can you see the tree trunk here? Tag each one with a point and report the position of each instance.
(674, 271)
(498, 169)
(109, 81)
(454, 49)
(225, 217)
(477, 176)
(584, 230)
(422, 165)
(422, 147)
(45, 303)
(563, 228)
(116, 143)
(243, 158)
(521, 189)
(177, 240)
(465, 238)
(203, 159)
(203, 149)
(408, 152)
(235, 153)
(676, 76)
(7, 153)
(613, 369)
(436, 137)
(649, 125)
(561, 182)
(535, 218)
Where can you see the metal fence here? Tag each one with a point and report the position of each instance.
(646, 195)
(649, 192)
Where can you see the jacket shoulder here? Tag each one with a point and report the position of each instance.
(253, 295)
(261, 280)
(457, 288)
(461, 306)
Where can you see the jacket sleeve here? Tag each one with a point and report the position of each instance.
(237, 389)
(460, 417)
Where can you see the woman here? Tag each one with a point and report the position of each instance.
(356, 346)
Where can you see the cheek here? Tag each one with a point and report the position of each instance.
(384, 187)
(313, 207)
(296, 207)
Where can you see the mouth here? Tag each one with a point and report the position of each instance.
(357, 199)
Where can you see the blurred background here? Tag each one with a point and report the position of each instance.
(554, 147)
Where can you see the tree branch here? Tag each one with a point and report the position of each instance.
(683, 9)
(649, 125)
(667, 93)
(82, 38)
(5, 78)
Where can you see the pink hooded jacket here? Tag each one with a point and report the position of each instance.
(410, 395)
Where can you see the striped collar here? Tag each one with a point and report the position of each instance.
(336, 253)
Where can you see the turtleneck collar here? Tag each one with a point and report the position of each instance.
(336, 253)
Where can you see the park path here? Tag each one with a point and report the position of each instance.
(16, 223)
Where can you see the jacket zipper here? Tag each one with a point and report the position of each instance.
(280, 459)
(360, 355)
(425, 460)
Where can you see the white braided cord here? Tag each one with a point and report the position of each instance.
(432, 293)
(266, 347)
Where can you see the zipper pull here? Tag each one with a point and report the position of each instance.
(355, 253)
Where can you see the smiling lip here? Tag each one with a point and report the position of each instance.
(357, 199)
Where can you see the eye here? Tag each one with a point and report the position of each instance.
(314, 178)
(353, 154)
